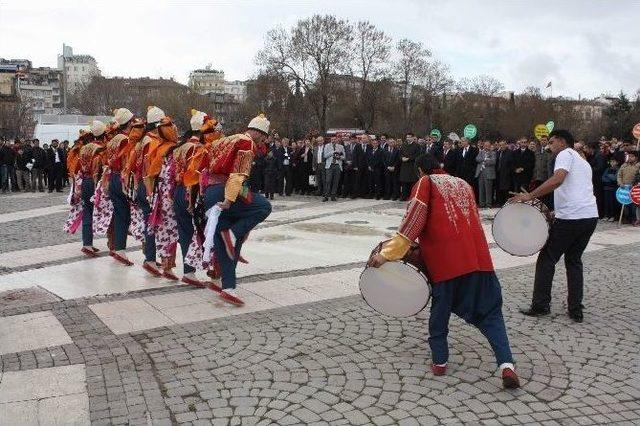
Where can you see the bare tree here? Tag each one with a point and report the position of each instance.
(310, 55)
(409, 68)
(483, 85)
(368, 65)
(433, 86)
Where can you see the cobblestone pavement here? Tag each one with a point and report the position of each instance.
(338, 362)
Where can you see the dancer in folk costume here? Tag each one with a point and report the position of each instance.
(156, 191)
(112, 206)
(204, 130)
(442, 217)
(85, 163)
(232, 209)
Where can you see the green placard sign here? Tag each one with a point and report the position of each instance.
(437, 134)
(470, 131)
(550, 125)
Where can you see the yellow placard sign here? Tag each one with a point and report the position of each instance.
(540, 130)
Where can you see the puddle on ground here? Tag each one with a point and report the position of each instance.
(336, 228)
(274, 238)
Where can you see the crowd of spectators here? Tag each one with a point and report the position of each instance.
(381, 167)
(25, 166)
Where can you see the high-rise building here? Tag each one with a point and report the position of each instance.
(78, 70)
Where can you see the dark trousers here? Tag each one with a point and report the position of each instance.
(121, 212)
(55, 177)
(331, 180)
(240, 218)
(376, 183)
(568, 238)
(610, 204)
(391, 185)
(285, 180)
(406, 189)
(320, 171)
(477, 299)
(149, 246)
(185, 223)
(87, 190)
(363, 181)
(501, 196)
(4, 177)
(348, 182)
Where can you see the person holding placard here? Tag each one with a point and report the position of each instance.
(576, 217)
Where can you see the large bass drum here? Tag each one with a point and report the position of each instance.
(522, 228)
(396, 289)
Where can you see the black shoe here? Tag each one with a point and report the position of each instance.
(333, 199)
(325, 199)
(576, 316)
(531, 312)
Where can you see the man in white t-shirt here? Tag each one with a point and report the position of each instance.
(576, 217)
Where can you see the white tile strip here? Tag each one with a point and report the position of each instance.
(26, 214)
(31, 331)
(45, 396)
(200, 305)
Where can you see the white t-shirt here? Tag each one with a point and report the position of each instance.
(574, 199)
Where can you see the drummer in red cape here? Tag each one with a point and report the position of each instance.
(442, 216)
(576, 218)
(224, 168)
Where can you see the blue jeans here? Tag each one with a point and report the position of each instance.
(87, 190)
(477, 299)
(121, 212)
(240, 218)
(185, 223)
(149, 247)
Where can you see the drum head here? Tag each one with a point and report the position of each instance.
(520, 229)
(395, 289)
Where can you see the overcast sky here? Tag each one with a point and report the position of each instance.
(585, 47)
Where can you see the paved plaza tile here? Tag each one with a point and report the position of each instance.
(89, 341)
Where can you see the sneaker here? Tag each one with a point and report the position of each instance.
(230, 295)
(439, 370)
(510, 379)
(325, 199)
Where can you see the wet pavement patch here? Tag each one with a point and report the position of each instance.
(336, 228)
(25, 297)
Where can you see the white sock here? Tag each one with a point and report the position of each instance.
(190, 275)
(441, 365)
(506, 365)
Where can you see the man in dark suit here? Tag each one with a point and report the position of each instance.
(349, 181)
(449, 158)
(524, 161)
(360, 165)
(434, 147)
(375, 166)
(466, 167)
(391, 171)
(504, 172)
(56, 160)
